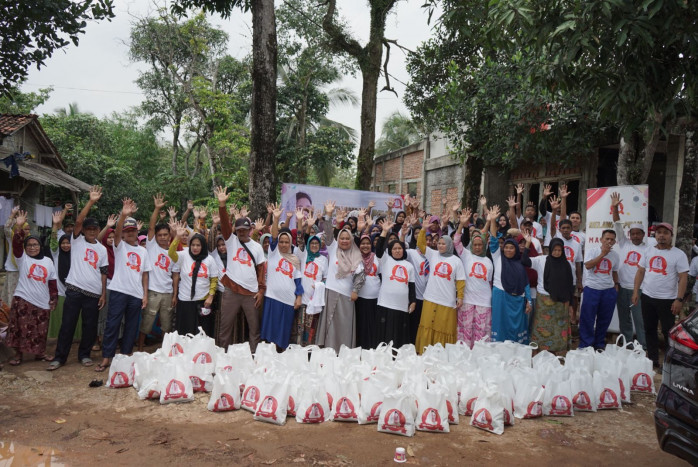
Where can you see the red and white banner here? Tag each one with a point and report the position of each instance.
(632, 209)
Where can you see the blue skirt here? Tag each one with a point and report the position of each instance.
(509, 319)
(277, 321)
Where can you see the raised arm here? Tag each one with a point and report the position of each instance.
(543, 206)
(222, 197)
(190, 208)
(158, 204)
(519, 199)
(617, 225)
(328, 229)
(554, 203)
(95, 195)
(563, 203)
(380, 248)
(111, 222)
(511, 213)
(277, 212)
(128, 208)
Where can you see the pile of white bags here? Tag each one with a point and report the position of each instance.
(401, 392)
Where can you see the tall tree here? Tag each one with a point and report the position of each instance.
(369, 59)
(30, 31)
(263, 109)
(14, 101)
(398, 131)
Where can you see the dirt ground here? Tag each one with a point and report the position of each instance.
(55, 418)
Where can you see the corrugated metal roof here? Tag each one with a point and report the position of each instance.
(46, 175)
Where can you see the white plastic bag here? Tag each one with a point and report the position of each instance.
(639, 372)
(582, 386)
(457, 352)
(121, 372)
(274, 401)
(202, 350)
(149, 386)
(323, 360)
(312, 404)
(488, 411)
(557, 401)
(581, 359)
(201, 377)
(241, 357)
(470, 390)
(225, 395)
(607, 390)
(432, 413)
(346, 401)
(608, 363)
(139, 368)
(175, 385)
(371, 401)
(397, 413)
(252, 392)
(174, 344)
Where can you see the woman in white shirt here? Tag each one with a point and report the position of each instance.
(198, 278)
(397, 298)
(368, 320)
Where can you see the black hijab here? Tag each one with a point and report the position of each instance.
(398, 225)
(40, 254)
(197, 260)
(222, 256)
(557, 274)
(514, 278)
(63, 260)
(404, 249)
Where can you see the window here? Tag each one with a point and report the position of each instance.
(391, 188)
(412, 189)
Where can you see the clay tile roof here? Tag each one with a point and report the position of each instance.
(11, 123)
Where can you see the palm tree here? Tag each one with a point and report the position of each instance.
(398, 131)
(71, 111)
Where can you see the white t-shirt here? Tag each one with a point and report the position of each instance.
(344, 285)
(630, 256)
(280, 277)
(536, 244)
(130, 262)
(478, 272)
(573, 253)
(160, 277)
(600, 277)
(394, 291)
(421, 267)
(86, 259)
(537, 229)
(314, 271)
(445, 271)
(34, 275)
(240, 268)
(538, 264)
(548, 237)
(372, 285)
(662, 269)
(207, 270)
(221, 269)
(693, 271)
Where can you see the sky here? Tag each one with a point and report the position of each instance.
(98, 75)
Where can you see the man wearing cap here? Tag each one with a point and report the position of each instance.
(663, 275)
(86, 286)
(631, 253)
(244, 279)
(128, 289)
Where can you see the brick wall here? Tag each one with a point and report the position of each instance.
(386, 170)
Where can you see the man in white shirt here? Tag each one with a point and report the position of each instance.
(631, 253)
(600, 294)
(128, 288)
(663, 276)
(530, 215)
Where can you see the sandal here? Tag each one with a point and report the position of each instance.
(100, 368)
(43, 358)
(86, 362)
(16, 361)
(54, 365)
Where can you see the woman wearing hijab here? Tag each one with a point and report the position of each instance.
(443, 294)
(345, 278)
(397, 298)
(314, 270)
(511, 295)
(198, 280)
(420, 263)
(60, 252)
(219, 253)
(284, 289)
(475, 315)
(35, 296)
(551, 326)
(106, 237)
(368, 321)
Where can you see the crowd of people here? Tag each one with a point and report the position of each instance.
(339, 278)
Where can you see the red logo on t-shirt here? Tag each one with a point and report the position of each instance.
(91, 257)
(576, 239)
(399, 274)
(658, 265)
(443, 270)
(479, 271)
(633, 258)
(604, 267)
(242, 257)
(569, 253)
(312, 270)
(203, 270)
(163, 262)
(424, 268)
(534, 232)
(285, 267)
(133, 261)
(38, 273)
(372, 270)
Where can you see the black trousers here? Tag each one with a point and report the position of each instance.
(74, 304)
(654, 311)
(188, 319)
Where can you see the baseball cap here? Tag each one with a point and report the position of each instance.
(142, 237)
(242, 223)
(130, 223)
(667, 226)
(90, 222)
(637, 226)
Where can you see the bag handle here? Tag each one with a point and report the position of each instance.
(533, 345)
(625, 342)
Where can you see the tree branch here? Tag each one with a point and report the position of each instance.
(387, 86)
(338, 38)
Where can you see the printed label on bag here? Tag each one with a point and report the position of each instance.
(268, 408)
(250, 397)
(507, 417)
(608, 399)
(176, 349)
(345, 409)
(291, 408)
(534, 409)
(197, 384)
(560, 405)
(202, 357)
(431, 420)
(153, 394)
(375, 412)
(451, 415)
(582, 401)
(394, 420)
(470, 405)
(224, 403)
(622, 389)
(330, 400)
(175, 390)
(314, 414)
(642, 382)
(483, 419)
(119, 380)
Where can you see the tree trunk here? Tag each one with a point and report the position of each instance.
(367, 144)
(175, 146)
(627, 153)
(636, 154)
(688, 191)
(211, 166)
(263, 111)
(651, 141)
(471, 182)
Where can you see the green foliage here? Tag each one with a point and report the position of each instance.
(33, 30)
(15, 101)
(398, 131)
